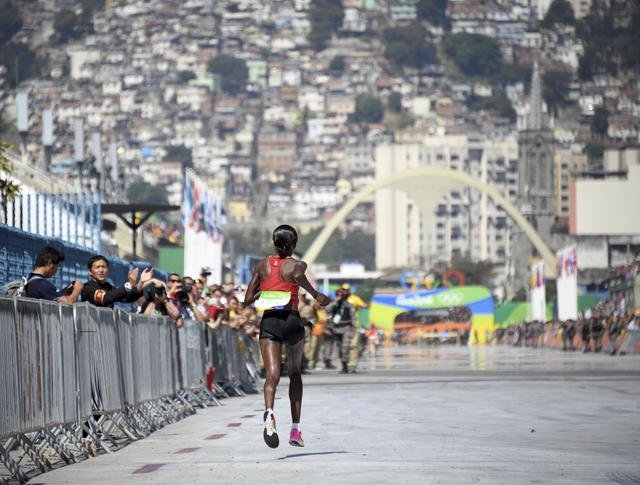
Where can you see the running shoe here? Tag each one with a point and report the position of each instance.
(295, 438)
(270, 434)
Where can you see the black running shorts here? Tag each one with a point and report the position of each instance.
(284, 326)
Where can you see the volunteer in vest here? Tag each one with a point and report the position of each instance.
(342, 315)
(276, 280)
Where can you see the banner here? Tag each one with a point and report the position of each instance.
(537, 293)
(567, 283)
(203, 215)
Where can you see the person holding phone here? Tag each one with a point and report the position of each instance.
(48, 260)
(277, 279)
(98, 291)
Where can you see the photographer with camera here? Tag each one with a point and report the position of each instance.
(182, 293)
(37, 285)
(98, 291)
(157, 303)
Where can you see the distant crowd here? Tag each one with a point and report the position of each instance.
(608, 327)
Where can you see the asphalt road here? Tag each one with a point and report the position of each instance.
(441, 415)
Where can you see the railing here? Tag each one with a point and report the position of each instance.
(78, 380)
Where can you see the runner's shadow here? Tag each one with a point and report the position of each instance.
(299, 455)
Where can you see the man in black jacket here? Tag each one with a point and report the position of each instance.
(100, 292)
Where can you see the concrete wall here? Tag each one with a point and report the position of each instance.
(606, 207)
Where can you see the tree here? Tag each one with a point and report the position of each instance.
(9, 189)
(10, 21)
(560, 12)
(409, 46)
(185, 76)
(68, 25)
(369, 109)
(325, 17)
(498, 104)
(475, 55)
(433, 11)
(178, 153)
(555, 89)
(514, 74)
(337, 65)
(600, 122)
(356, 245)
(476, 273)
(394, 103)
(20, 62)
(142, 192)
(232, 71)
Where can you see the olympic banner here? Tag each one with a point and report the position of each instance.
(204, 215)
(567, 283)
(537, 293)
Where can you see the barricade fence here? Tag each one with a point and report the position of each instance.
(78, 380)
(557, 335)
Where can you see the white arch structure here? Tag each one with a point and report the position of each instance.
(419, 185)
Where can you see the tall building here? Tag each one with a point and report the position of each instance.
(535, 179)
(459, 223)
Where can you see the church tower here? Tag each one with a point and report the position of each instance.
(535, 179)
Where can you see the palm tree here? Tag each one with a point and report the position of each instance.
(8, 188)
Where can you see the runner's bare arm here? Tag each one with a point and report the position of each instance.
(254, 286)
(300, 277)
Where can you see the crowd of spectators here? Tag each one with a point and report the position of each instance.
(608, 327)
(329, 332)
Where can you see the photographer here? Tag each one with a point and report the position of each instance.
(182, 294)
(157, 303)
(48, 260)
(98, 291)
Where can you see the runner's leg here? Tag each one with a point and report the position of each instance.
(294, 359)
(271, 355)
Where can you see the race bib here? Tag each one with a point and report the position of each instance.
(272, 299)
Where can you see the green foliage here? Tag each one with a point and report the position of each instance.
(232, 71)
(186, 76)
(21, 62)
(10, 20)
(555, 89)
(142, 192)
(337, 65)
(514, 74)
(433, 11)
(475, 55)
(560, 12)
(594, 152)
(611, 37)
(9, 189)
(178, 153)
(326, 18)
(394, 103)
(600, 121)
(476, 273)
(369, 109)
(356, 245)
(409, 46)
(499, 104)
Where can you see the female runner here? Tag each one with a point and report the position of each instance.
(277, 279)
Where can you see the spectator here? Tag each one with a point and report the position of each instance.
(48, 260)
(98, 291)
(343, 318)
(186, 294)
(157, 303)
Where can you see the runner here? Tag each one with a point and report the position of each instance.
(277, 280)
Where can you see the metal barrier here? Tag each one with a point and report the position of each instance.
(78, 379)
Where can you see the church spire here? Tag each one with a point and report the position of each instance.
(536, 118)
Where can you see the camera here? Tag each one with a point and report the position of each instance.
(157, 292)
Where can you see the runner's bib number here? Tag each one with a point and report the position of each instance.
(272, 299)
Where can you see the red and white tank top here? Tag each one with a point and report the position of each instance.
(274, 281)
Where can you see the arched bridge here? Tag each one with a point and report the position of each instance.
(426, 186)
